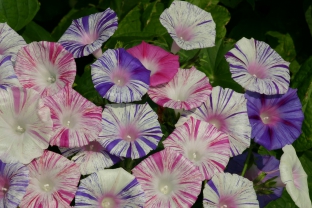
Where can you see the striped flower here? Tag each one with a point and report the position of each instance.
(168, 180)
(45, 67)
(162, 64)
(87, 34)
(8, 77)
(295, 178)
(258, 68)
(53, 182)
(189, 26)
(109, 189)
(188, 89)
(119, 77)
(129, 130)
(91, 158)
(76, 120)
(227, 190)
(201, 143)
(227, 111)
(275, 119)
(14, 179)
(10, 41)
(25, 125)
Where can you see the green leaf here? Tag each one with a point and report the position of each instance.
(34, 32)
(302, 81)
(221, 16)
(307, 5)
(204, 4)
(18, 13)
(68, 18)
(151, 16)
(231, 3)
(284, 202)
(293, 68)
(263, 151)
(284, 45)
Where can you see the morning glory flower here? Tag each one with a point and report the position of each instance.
(76, 120)
(168, 180)
(91, 158)
(87, 34)
(275, 119)
(202, 144)
(189, 26)
(162, 64)
(129, 130)
(227, 111)
(10, 41)
(295, 178)
(119, 77)
(25, 125)
(110, 188)
(8, 77)
(45, 67)
(188, 89)
(14, 179)
(258, 68)
(53, 181)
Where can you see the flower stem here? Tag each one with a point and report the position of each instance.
(247, 159)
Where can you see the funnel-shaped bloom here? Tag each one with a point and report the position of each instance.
(87, 34)
(188, 89)
(10, 41)
(109, 189)
(8, 77)
(203, 144)
(53, 182)
(227, 111)
(25, 125)
(76, 120)
(14, 179)
(119, 77)
(295, 178)
(189, 26)
(168, 180)
(45, 67)
(91, 158)
(129, 130)
(258, 68)
(162, 64)
(275, 119)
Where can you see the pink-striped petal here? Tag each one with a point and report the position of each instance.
(188, 89)
(76, 120)
(203, 144)
(53, 182)
(45, 67)
(168, 180)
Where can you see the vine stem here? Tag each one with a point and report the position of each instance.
(247, 160)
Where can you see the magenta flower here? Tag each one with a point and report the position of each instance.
(14, 179)
(91, 158)
(162, 64)
(258, 68)
(129, 130)
(76, 120)
(25, 125)
(8, 77)
(10, 41)
(201, 143)
(45, 67)
(109, 189)
(53, 182)
(87, 34)
(119, 77)
(188, 89)
(275, 119)
(189, 26)
(168, 180)
(227, 111)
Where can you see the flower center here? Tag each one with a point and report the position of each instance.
(257, 70)
(51, 79)
(93, 146)
(227, 202)
(216, 123)
(20, 129)
(194, 155)
(108, 203)
(184, 33)
(88, 38)
(69, 122)
(166, 184)
(47, 185)
(129, 133)
(4, 186)
(120, 77)
(269, 116)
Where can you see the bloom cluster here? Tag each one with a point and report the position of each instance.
(39, 108)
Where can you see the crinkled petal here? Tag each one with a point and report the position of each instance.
(8, 77)
(188, 89)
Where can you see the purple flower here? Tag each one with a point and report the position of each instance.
(119, 77)
(275, 119)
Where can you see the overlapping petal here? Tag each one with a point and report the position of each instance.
(258, 68)
(188, 89)
(8, 77)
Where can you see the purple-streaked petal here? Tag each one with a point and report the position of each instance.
(8, 77)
